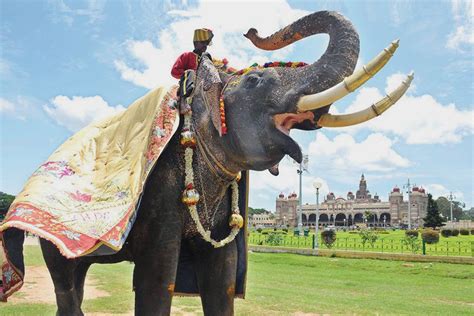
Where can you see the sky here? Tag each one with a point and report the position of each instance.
(66, 63)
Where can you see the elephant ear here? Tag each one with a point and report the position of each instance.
(212, 88)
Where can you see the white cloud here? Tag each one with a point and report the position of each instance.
(20, 107)
(400, 12)
(92, 10)
(5, 67)
(375, 153)
(286, 181)
(438, 190)
(266, 187)
(6, 106)
(156, 60)
(77, 112)
(417, 119)
(463, 35)
(338, 157)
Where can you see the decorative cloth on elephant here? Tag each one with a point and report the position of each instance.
(212, 89)
(84, 197)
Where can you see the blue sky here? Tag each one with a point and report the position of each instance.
(65, 63)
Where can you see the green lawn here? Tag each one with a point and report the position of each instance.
(388, 241)
(283, 284)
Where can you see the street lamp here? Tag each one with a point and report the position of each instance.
(303, 166)
(408, 187)
(317, 186)
(344, 223)
(451, 197)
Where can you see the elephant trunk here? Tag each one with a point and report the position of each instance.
(337, 62)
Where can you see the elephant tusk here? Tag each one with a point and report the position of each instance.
(349, 84)
(329, 120)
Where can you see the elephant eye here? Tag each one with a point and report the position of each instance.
(252, 81)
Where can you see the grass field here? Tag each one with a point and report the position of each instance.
(284, 284)
(388, 241)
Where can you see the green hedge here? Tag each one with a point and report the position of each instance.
(430, 236)
(464, 231)
(446, 232)
(412, 233)
(328, 237)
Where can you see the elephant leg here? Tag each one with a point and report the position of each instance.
(79, 280)
(155, 273)
(62, 273)
(216, 274)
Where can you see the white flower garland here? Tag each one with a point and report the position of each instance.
(236, 220)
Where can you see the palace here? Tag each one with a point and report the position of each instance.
(356, 209)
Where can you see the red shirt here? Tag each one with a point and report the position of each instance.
(185, 61)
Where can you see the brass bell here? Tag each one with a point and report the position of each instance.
(236, 221)
(190, 197)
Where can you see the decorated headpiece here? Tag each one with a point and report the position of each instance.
(203, 35)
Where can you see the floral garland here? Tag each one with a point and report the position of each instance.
(289, 64)
(191, 196)
(222, 65)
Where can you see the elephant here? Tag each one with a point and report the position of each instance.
(261, 107)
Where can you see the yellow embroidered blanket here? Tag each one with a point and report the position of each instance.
(84, 197)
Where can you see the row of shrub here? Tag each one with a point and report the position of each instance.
(455, 232)
(285, 230)
(431, 236)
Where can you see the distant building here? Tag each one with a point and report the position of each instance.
(262, 220)
(354, 209)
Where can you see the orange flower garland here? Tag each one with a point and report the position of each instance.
(222, 112)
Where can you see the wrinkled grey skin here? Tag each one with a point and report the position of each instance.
(252, 142)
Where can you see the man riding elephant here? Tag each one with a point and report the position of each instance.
(186, 64)
(190, 60)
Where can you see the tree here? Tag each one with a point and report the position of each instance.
(253, 211)
(433, 219)
(468, 214)
(274, 239)
(370, 236)
(5, 202)
(328, 237)
(445, 209)
(366, 217)
(412, 243)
